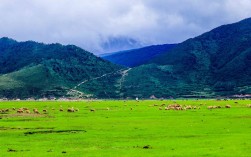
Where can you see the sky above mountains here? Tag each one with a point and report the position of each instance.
(102, 26)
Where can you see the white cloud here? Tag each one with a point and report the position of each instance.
(90, 23)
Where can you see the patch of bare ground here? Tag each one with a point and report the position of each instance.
(14, 150)
(54, 131)
(32, 115)
(18, 128)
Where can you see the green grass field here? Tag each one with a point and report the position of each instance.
(126, 128)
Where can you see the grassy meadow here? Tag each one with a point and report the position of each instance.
(126, 129)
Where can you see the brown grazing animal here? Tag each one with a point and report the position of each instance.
(178, 108)
(20, 110)
(167, 108)
(35, 111)
(228, 106)
(210, 107)
(25, 108)
(188, 107)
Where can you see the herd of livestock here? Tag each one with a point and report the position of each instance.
(72, 109)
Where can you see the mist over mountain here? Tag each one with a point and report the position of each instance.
(113, 44)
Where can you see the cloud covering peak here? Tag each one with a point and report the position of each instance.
(110, 25)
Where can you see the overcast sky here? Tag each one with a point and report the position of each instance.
(105, 25)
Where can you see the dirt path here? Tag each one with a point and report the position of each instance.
(124, 73)
(85, 81)
(73, 90)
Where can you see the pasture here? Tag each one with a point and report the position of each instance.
(126, 129)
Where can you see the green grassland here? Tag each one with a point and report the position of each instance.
(126, 128)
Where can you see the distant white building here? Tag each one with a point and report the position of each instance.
(153, 97)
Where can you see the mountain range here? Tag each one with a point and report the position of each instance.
(136, 57)
(216, 63)
(31, 69)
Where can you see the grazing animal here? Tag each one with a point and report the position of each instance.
(167, 108)
(25, 108)
(61, 110)
(108, 108)
(70, 110)
(210, 107)
(92, 110)
(20, 110)
(13, 108)
(178, 108)
(188, 107)
(171, 108)
(160, 108)
(228, 106)
(174, 105)
(44, 110)
(76, 109)
(27, 111)
(249, 105)
(4, 110)
(36, 111)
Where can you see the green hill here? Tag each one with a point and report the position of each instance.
(212, 64)
(30, 69)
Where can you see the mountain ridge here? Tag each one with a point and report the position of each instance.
(214, 64)
(61, 67)
(136, 57)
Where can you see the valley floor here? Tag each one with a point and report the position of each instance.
(126, 128)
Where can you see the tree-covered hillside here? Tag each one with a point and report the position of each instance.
(212, 64)
(30, 69)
